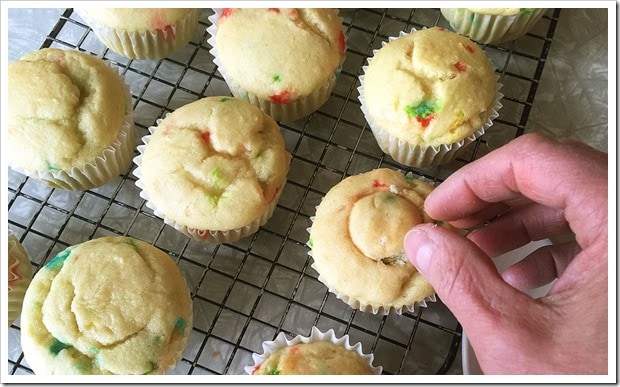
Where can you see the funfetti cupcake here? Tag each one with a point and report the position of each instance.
(283, 60)
(321, 353)
(20, 275)
(142, 33)
(112, 305)
(70, 119)
(356, 241)
(213, 169)
(428, 94)
(493, 25)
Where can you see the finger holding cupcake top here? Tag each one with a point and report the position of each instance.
(427, 94)
(356, 241)
(214, 168)
(284, 60)
(70, 119)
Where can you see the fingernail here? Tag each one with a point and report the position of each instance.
(419, 249)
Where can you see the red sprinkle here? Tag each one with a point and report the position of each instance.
(276, 10)
(469, 48)
(206, 136)
(256, 367)
(378, 183)
(282, 97)
(460, 66)
(203, 233)
(341, 43)
(426, 120)
(227, 12)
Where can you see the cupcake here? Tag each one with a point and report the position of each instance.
(70, 119)
(213, 169)
(20, 275)
(112, 305)
(142, 33)
(428, 94)
(283, 60)
(318, 354)
(493, 25)
(356, 241)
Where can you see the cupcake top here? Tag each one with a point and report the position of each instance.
(430, 87)
(357, 239)
(112, 305)
(229, 163)
(20, 275)
(137, 19)
(65, 108)
(315, 358)
(280, 54)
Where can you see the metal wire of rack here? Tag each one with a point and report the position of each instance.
(247, 292)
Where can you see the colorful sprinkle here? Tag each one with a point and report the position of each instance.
(168, 33)
(179, 325)
(282, 97)
(256, 367)
(310, 243)
(460, 66)
(57, 346)
(469, 48)
(423, 111)
(276, 78)
(227, 12)
(226, 99)
(57, 262)
(273, 371)
(526, 11)
(203, 233)
(276, 10)
(390, 198)
(377, 183)
(206, 136)
(153, 368)
(50, 167)
(341, 43)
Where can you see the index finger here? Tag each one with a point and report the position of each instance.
(558, 174)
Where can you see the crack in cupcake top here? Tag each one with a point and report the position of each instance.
(214, 164)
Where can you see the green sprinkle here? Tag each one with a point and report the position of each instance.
(213, 199)
(50, 167)
(57, 346)
(390, 198)
(57, 262)
(526, 11)
(273, 371)
(276, 78)
(217, 176)
(310, 243)
(224, 99)
(180, 324)
(153, 367)
(422, 109)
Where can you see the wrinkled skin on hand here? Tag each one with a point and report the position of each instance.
(532, 188)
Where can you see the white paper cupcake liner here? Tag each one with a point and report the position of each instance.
(491, 28)
(19, 276)
(211, 236)
(290, 111)
(414, 155)
(105, 167)
(146, 44)
(281, 341)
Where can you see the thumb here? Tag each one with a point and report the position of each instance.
(463, 276)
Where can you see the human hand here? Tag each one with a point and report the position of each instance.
(540, 188)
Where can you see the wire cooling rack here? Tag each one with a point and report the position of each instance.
(247, 292)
